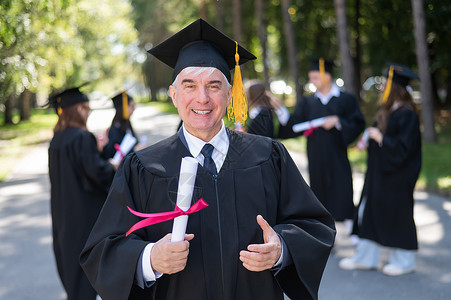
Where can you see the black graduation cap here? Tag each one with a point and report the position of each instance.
(120, 102)
(397, 73)
(401, 74)
(119, 98)
(200, 45)
(68, 98)
(319, 63)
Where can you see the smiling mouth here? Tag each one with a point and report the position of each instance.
(201, 112)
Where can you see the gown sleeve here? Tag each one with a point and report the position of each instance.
(109, 258)
(115, 136)
(306, 227)
(298, 116)
(97, 173)
(400, 142)
(352, 121)
(262, 124)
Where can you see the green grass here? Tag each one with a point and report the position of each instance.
(15, 140)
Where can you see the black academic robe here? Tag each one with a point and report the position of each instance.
(115, 136)
(258, 177)
(392, 172)
(262, 124)
(327, 150)
(79, 180)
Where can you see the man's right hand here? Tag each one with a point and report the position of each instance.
(170, 257)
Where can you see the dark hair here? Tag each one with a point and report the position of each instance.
(398, 94)
(119, 121)
(70, 117)
(256, 95)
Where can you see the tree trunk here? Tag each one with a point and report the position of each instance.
(149, 73)
(259, 8)
(220, 15)
(357, 56)
(25, 105)
(291, 48)
(427, 109)
(447, 102)
(9, 109)
(343, 40)
(203, 10)
(237, 20)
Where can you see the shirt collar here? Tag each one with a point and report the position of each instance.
(220, 141)
(334, 92)
(253, 113)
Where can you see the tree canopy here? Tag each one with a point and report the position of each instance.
(47, 45)
(51, 44)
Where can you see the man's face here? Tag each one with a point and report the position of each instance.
(201, 98)
(315, 78)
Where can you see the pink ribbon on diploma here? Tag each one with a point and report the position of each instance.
(155, 218)
(309, 132)
(118, 149)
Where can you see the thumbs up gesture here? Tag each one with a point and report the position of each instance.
(260, 257)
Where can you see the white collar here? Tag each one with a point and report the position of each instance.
(253, 113)
(220, 141)
(334, 92)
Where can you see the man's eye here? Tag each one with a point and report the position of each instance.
(215, 86)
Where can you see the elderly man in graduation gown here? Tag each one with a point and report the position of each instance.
(263, 232)
(80, 179)
(327, 146)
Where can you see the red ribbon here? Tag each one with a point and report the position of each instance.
(118, 149)
(164, 216)
(309, 132)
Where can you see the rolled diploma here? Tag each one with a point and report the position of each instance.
(188, 170)
(309, 124)
(362, 143)
(126, 145)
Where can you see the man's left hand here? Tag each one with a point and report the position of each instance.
(260, 257)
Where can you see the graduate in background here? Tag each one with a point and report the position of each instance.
(262, 106)
(385, 212)
(253, 241)
(120, 125)
(79, 179)
(327, 146)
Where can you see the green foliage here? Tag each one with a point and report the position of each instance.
(49, 45)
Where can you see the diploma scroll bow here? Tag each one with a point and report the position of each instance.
(154, 218)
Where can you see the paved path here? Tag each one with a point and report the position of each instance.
(28, 271)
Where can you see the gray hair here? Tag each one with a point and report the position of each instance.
(196, 71)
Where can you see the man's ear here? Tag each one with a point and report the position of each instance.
(172, 93)
(229, 95)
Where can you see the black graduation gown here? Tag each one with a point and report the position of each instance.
(79, 179)
(115, 136)
(258, 177)
(390, 179)
(262, 124)
(327, 150)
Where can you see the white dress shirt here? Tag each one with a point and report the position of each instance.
(221, 145)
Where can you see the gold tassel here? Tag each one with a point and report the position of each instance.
(388, 85)
(125, 105)
(322, 71)
(237, 110)
(59, 110)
